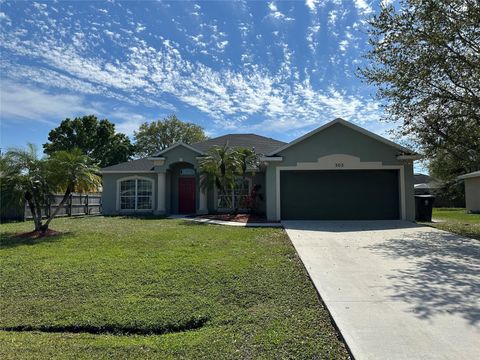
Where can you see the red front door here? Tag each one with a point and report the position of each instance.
(186, 195)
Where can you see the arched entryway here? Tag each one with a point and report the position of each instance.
(183, 185)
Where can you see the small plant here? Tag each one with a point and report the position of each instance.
(252, 199)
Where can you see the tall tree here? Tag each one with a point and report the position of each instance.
(425, 60)
(219, 168)
(158, 135)
(247, 160)
(36, 179)
(94, 138)
(24, 173)
(71, 171)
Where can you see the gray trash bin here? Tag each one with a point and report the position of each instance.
(423, 207)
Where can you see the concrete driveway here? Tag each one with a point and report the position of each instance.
(396, 290)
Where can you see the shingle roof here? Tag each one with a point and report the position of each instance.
(134, 165)
(421, 178)
(263, 145)
(470, 175)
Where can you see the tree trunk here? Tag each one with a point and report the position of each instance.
(39, 216)
(50, 218)
(31, 205)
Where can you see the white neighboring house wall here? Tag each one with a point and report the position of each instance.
(472, 191)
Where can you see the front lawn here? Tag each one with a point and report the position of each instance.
(457, 221)
(148, 288)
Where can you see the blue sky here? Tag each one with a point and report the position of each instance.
(276, 68)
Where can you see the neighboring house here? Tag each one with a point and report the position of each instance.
(338, 171)
(472, 191)
(425, 185)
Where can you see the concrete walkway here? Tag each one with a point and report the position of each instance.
(396, 290)
(234, 223)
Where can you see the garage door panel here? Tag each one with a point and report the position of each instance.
(339, 195)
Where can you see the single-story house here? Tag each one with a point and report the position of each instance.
(472, 191)
(425, 185)
(339, 171)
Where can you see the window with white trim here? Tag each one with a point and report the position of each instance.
(237, 197)
(136, 194)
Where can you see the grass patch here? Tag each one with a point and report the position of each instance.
(151, 288)
(457, 221)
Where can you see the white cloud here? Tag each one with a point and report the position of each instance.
(126, 121)
(140, 27)
(222, 44)
(312, 31)
(39, 6)
(26, 103)
(311, 4)
(343, 45)
(4, 16)
(276, 14)
(146, 73)
(363, 7)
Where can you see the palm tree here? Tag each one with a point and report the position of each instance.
(247, 161)
(71, 171)
(23, 172)
(219, 167)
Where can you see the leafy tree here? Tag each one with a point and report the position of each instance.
(443, 166)
(71, 171)
(26, 174)
(36, 179)
(425, 60)
(158, 135)
(94, 138)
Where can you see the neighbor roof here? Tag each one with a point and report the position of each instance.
(263, 145)
(470, 175)
(421, 178)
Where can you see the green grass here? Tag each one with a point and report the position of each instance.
(457, 221)
(148, 288)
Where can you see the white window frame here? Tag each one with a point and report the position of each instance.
(249, 180)
(136, 178)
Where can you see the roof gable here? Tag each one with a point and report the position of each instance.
(349, 125)
(164, 151)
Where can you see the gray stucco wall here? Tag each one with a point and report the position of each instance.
(339, 139)
(179, 154)
(109, 193)
(472, 194)
(175, 159)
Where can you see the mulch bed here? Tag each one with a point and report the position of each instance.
(243, 218)
(32, 235)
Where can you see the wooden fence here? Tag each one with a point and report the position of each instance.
(77, 204)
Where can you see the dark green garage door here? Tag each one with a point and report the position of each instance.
(339, 195)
